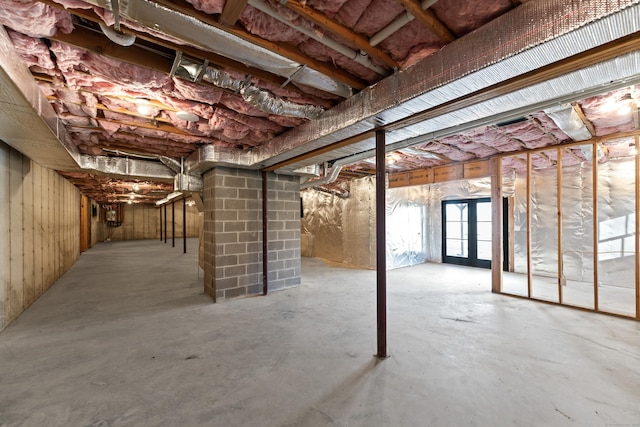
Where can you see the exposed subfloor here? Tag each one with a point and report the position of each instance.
(127, 338)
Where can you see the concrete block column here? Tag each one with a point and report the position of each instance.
(233, 232)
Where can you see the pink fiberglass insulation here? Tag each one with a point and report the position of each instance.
(328, 7)
(550, 127)
(287, 121)
(263, 25)
(464, 16)
(609, 113)
(518, 163)
(208, 6)
(34, 52)
(350, 12)
(378, 15)
(467, 145)
(451, 153)
(196, 92)
(236, 103)
(34, 19)
(412, 37)
(321, 52)
(528, 133)
(133, 77)
(491, 137)
(622, 147)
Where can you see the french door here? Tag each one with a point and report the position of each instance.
(466, 232)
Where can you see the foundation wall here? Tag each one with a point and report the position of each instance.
(39, 231)
(143, 222)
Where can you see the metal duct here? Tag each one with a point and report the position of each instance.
(261, 99)
(336, 168)
(160, 19)
(126, 168)
(210, 156)
(531, 36)
(567, 119)
(330, 43)
(171, 163)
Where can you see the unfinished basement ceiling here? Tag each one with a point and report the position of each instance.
(187, 86)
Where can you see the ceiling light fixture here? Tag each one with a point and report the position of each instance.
(135, 187)
(143, 107)
(187, 116)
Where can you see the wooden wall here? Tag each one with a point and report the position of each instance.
(39, 231)
(143, 222)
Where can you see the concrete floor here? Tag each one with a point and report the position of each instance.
(127, 338)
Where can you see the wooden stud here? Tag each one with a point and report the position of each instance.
(496, 225)
(340, 30)
(637, 182)
(232, 11)
(594, 171)
(561, 279)
(529, 272)
(429, 20)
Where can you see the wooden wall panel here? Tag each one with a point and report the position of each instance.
(39, 229)
(28, 232)
(5, 246)
(38, 277)
(15, 302)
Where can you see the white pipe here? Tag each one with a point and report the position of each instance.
(346, 51)
(400, 22)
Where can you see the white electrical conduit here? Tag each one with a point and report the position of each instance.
(330, 43)
(400, 22)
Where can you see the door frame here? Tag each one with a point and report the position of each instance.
(472, 230)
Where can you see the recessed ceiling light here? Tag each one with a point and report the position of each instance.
(187, 116)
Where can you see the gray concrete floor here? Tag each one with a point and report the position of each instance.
(127, 338)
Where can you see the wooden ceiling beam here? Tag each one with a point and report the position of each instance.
(587, 123)
(288, 51)
(428, 19)
(232, 11)
(340, 30)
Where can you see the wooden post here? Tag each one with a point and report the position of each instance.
(637, 258)
(594, 171)
(529, 272)
(173, 224)
(496, 225)
(559, 225)
(184, 225)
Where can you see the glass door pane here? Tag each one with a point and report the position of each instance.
(457, 228)
(483, 230)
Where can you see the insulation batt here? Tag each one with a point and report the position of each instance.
(550, 126)
(34, 53)
(378, 15)
(321, 52)
(350, 12)
(529, 134)
(464, 16)
(599, 111)
(476, 148)
(205, 94)
(413, 37)
(263, 25)
(208, 6)
(34, 19)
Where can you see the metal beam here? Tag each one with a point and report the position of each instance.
(381, 246)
